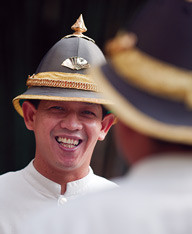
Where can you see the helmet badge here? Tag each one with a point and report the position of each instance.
(76, 63)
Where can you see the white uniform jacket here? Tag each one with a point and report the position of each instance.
(26, 191)
(154, 198)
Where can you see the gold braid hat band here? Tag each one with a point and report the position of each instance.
(154, 76)
(63, 80)
(148, 73)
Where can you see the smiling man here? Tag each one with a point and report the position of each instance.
(66, 134)
(150, 83)
(64, 108)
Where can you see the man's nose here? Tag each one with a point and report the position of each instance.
(71, 122)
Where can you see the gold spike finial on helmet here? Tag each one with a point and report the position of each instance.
(123, 41)
(79, 26)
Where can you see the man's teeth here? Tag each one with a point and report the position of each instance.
(68, 142)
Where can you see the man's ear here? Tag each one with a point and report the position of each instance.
(29, 112)
(107, 122)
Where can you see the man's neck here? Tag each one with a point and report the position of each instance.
(60, 176)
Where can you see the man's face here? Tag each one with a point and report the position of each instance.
(65, 133)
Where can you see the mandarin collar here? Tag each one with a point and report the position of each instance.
(52, 189)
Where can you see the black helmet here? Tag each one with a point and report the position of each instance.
(63, 72)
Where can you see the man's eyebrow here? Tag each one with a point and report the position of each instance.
(91, 104)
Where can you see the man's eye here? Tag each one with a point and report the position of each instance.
(88, 113)
(56, 108)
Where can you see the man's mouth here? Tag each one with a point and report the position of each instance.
(68, 142)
